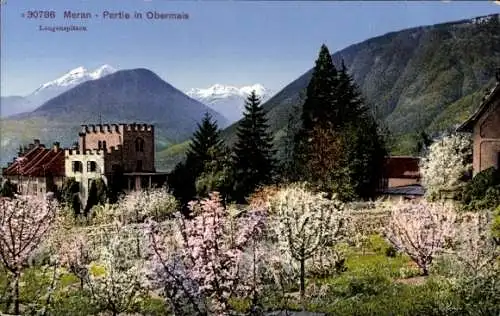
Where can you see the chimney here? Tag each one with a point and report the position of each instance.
(37, 142)
(56, 146)
(31, 146)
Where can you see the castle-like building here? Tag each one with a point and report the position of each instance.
(103, 151)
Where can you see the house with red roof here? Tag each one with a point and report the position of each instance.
(122, 155)
(37, 170)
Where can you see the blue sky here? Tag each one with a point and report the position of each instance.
(227, 42)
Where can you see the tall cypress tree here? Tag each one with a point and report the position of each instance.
(253, 152)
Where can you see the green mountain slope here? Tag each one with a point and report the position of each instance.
(167, 158)
(420, 78)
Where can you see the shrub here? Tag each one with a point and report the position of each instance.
(495, 227)
(8, 189)
(391, 252)
(483, 192)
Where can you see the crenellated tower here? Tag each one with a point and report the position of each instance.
(136, 143)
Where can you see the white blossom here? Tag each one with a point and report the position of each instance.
(445, 164)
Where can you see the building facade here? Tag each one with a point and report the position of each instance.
(36, 170)
(401, 178)
(484, 125)
(103, 152)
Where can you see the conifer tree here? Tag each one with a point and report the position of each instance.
(206, 145)
(349, 103)
(319, 106)
(205, 138)
(334, 107)
(253, 152)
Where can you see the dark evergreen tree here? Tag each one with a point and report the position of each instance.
(206, 138)
(423, 142)
(253, 152)
(318, 110)
(206, 144)
(115, 185)
(216, 175)
(181, 181)
(8, 189)
(69, 195)
(92, 198)
(335, 108)
(349, 104)
(320, 104)
(288, 167)
(366, 149)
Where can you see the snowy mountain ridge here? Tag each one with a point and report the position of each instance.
(12, 105)
(227, 99)
(76, 76)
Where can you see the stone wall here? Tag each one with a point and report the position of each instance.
(145, 154)
(125, 136)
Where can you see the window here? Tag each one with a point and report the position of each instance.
(77, 166)
(139, 145)
(104, 145)
(99, 145)
(91, 166)
(139, 165)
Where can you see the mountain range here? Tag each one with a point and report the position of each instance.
(135, 95)
(12, 105)
(427, 78)
(228, 100)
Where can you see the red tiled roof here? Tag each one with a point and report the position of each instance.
(38, 162)
(402, 167)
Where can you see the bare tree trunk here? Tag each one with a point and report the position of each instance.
(17, 276)
(302, 280)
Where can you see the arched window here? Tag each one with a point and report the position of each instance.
(99, 145)
(139, 145)
(104, 145)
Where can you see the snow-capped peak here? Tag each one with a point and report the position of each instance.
(76, 76)
(224, 91)
(228, 100)
(102, 71)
